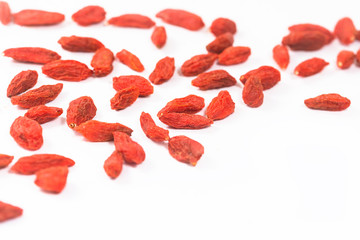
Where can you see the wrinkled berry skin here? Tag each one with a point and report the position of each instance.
(223, 25)
(80, 110)
(80, 44)
(220, 43)
(281, 56)
(30, 17)
(132, 20)
(158, 37)
(113, 164)
(345, 31)
(32, 55)
(151, 130)
(234, 55)
(213, 79)
(132, 152)
(190, 104)
(181, 18)
(310, 67)
(185, 149)
(185, 120)
(221, 106)
(252, 94)
(124, 98)
(163, 71)
(43, 114)
(130, 60)
(102, 62)
(27, 133)
(144, 86)
(328, 102)
(22, 82)
(89, 15)
(345, 59)
(52, 179)
(305, 40)
(67, 70)
(198, 64)
(5, 160)
(268, 75)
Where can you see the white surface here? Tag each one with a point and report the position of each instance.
(280, 171)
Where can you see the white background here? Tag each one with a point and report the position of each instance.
(280, 171)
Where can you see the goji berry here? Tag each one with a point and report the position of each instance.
(8, 211)
(185, 120)
(31, 164)
(5, 160)
(124, 98)
(27, 133)
(151, 130)
(213, 79)
(220, 43)
(163, 71)
(80, 110)
(234, 55)
(5, 13)
(38, 96)
(43, 114)
(132, 20)
(189, 104)
(96, 131)
(158, 37)
(89, 15)
(269, 76)
(181, 18)
(345, 59)
(68, 70)
(345, 31)
(252, 94)
(32, 54)
(30, 17)
(80, 44)
(52, 179)
(313, 27)
(132, 152)
(185, 149)
(281, 56)
(144, 86)
(198, 64)
(221, 106)
(305, 40)
(102, 62)
(223, 25)
(130, 60)
(113, 164)
(22, 82)
(358, 57)
(310, 67)
(329, 102)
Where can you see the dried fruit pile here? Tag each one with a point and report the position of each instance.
(51, 170)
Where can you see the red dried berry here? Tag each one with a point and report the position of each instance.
(151, 130)
(281, 56)
(220, 43)
(185, 120)
(96, 131)
(27, 133)
(163, 71)
(38, 96)
(158, 37)
(221, 106)
(80, 44)
(132, 152)
(234, 55)
(89, 15)
(5, 160)
(8, 212)
(198, 64)
(52, 179)
(214, 79)
(185, 149)
(68, 70)
(30, 17)
(113, 164)
(80, 110)
(345, 59)
(313, 27)
(132, 20)
(181, 18)
(345, 31)
(252, 94)
(22, 82)
(310, 67)
(32, 54)
(43, 114)
(102, 62)
(144, 86)
(130, 60)
(5, 13)
(124, 98)
(329, 102)
(305, 40)
(223, 25)
(189, 104)
(269, 76)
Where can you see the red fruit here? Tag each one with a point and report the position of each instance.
(80, 44)
(68, 70)
(43, 114)
(313, 27)
(132, 152)
(345, 31)
(220, 43)
(181, 18)
(189, 104)
(158, 37)
(281, 56)
(345, 59)
(221, 106)
(32, 54)
(329, 102)
(185, 120)
(22, 82)
(113, 164)
(102, 62)
(163, 71)
(198, 64)
(80, 110)
(132, 20)
(144, 86)
(234, 55)
(130, 60)
(124, 98)
(185, 149)
(52, 179)
(151, 130)
(223, 25)
(8, 212)
(252, 94)
(5, 160)
(89, 15)
(305, 40)
(310, 67)
(358, 57)
(29, 17)
(269, 76)
(5, 13)
(27, 133)
(213, 79)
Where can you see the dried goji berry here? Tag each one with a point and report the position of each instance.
(102, 62)
(163, 71)
(198, 64)
(31, 164)
(96, 131)
(185, 120)
(38, 96)
(132, 152)
(234, 55)
(68, 70)
(80, 110)
(113, 164)
(5, 13)
(358, 57)
(189, 104)
(313, 27)
(80, 44)
(132, 20)
(214, 79)
(89, 15)
(32, 54)
(151, 130)
(43, 114)
(144, 86)
(223, 25)
(30, 17)
(124, 98)
(27, 133)
(221, 106)
(181, 18)
(345, 31)
(8, 211)
(345, 59)
(329, 102)
(310, 67)
(130, 60)
(252, 94)
(22, 82)
(305, 40)
(185, 149)
(158, 37)
(220, 43)
(269, 76)
(5, 160)
(52, 179)
(281, 56)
